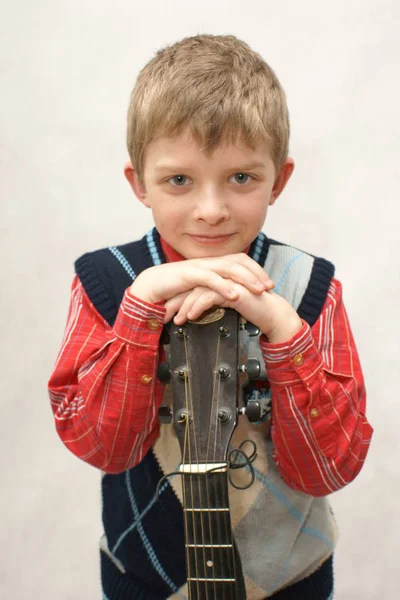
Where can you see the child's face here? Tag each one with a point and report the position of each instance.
(208, 206)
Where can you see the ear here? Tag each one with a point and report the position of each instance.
(137, 186)
(283, 175)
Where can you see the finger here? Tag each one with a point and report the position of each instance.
(173, 305)
(205, 301)
(240, 273)
(251, 265)
(201, 275)
(186, 305)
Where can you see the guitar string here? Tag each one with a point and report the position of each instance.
(215, 412)
(227, 517)
(190, 427)
(223, 489)
(184, 498)
(188, 460)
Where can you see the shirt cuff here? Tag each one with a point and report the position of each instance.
(294, 361)
(138, 322)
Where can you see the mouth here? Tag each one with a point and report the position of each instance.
(211, 239)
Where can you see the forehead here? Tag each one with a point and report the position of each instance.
(184, 148)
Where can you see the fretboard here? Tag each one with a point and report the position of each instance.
(211, 561)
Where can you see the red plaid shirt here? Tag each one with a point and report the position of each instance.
(105, 393)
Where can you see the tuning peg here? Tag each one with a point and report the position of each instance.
(252, 368)
(165, 414)
(253, 411)
(164, 372)
(251, 329)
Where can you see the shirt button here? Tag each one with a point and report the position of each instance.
(314, 413)
(298, 359)
(146, 379)
(153, 324)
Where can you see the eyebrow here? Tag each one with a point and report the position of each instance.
(182, 168)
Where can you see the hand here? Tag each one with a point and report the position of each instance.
(275, 317)
(160, 283)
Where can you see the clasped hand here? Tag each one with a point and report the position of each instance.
(190, 287)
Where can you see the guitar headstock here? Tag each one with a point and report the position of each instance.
(204, 363)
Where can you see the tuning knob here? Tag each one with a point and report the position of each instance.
(252, 368)
(164, 372)
(253, 411)
(251, 329)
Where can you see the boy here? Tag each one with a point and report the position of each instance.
(208, 135)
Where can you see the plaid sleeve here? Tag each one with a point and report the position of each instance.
(104, 391)
(320, 432)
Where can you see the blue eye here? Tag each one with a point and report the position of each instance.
(179, 180)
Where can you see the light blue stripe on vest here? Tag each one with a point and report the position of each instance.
(259, 246)
(153, 248)
(123, 261)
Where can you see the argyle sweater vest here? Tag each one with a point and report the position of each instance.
(283, 536)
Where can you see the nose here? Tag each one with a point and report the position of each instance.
(211, 207)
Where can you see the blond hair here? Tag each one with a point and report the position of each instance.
(215, 86)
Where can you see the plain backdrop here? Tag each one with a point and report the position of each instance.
(67, 69)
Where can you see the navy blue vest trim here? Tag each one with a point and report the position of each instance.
(107, 273)
(315, 295)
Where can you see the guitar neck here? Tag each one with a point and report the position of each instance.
(213, 570)
(205, 385)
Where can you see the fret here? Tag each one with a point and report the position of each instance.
(206, 490)
(211, 562)
(215, 590)
(207, 509)
(209, 579)
(209, 545)
(208, 528)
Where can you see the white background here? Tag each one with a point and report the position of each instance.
(67, 69)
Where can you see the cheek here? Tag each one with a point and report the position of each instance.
(252, 209)
(169, 213)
